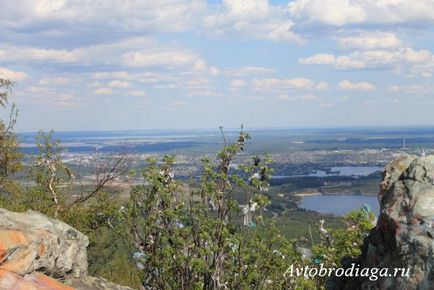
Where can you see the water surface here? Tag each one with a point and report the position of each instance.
(339, 204)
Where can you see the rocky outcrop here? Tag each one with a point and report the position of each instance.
(40, 253)
(404, 234)
(88, 283)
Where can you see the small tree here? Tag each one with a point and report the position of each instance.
(10, 156)
(341, 244)
(198, 236)
(54, 179)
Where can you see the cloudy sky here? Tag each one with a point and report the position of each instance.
(142, 64)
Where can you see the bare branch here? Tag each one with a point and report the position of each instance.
(106, 172)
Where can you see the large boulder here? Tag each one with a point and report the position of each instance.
(404, 235)
(40, 253)
(33, 242)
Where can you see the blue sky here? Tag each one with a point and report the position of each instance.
(113, 65)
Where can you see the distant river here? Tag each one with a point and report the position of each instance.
(339, 204)
(343, 171)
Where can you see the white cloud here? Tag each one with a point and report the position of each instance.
(160, 58)
(250, 70)
(112, 75)
(319, 58)
(118, 84)
(420, 62)
(287, 98)
(140, 93)
(12, 75)
(347, 85)
(103, 91)
(39, 90)
(47, 97)
(322, 86)
(57, 81)
(412, 89)
(371, 40)
(252, 19)
(113, 15)
(214, 71)
(256, 98)
(247, 9)
(362, 12)
(339, 62)
(130, 52)
(142, 77)
(237, 83)
(23, 54)
(284, 84)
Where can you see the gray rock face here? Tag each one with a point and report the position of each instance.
(404, 234)
(35, 242)
(40, 253)
(92, 283)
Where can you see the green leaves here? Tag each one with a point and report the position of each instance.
(6, 87)
(193, 236)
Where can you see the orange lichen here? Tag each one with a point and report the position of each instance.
(11, 238)
(12, 281)
(43, 282)
(42, 249)
(21, 261)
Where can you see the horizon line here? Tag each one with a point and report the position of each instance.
(245, 128)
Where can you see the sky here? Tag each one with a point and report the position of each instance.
(178, 64)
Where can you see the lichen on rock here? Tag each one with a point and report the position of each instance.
(404, 235)
(41, 253)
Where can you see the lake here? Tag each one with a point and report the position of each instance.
(339, 204)
(339, 171)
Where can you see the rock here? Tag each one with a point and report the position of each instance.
(92, 283)
(33, 242)
(404, 235)
(36, 251)
(34, 281)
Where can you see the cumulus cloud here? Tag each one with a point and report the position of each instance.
(136, 52)
(412, 89)
(237, 83)
(371, 40)
(252, 18)
(147, 77)
(114, 15)
(285, 84)
(340, 13)
(56, 81)
(339, 62)
(250, 70)
(419, 61)
(161, 58)
(139, 93)
(12, 75)
(103, 91)
(97, 54)
(118, 84)
(23, 54)
(47, 97)
(302, 98)
(347, 85)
